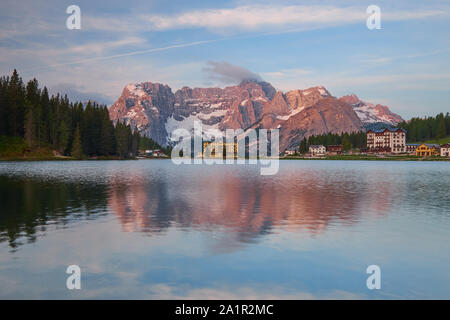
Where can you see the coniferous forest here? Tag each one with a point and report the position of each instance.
(417, 130)
(67, 128)
(347, 140)
(423, 129)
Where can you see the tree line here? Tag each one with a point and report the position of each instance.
(422, 129)
(347, 140)
(70, 128)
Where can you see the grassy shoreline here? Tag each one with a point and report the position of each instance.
(369, 158)
(340, 157)
(26, 159)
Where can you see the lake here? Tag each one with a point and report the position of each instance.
(150, 229)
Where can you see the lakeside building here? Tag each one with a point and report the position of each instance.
(363, 151)
(210, 147)
(290, 152)
(334, 149)
(154, 153)
(386, 141)
(445, 150)
(427, 150)
(317, 150)
(411, 147)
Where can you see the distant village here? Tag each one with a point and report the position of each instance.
(381, 142)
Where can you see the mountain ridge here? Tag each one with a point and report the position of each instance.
(156, 110)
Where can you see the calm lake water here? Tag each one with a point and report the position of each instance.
(149, 229)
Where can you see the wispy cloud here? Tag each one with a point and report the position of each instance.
(288, 80)
(389, 59)
(78, 93)
(127, 54)
(255, 17)
(285, 73)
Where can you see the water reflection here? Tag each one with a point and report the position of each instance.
(150, 229)
(29, 206)
(153, 200)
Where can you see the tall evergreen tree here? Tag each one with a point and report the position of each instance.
(346, 144)
(108, 139)
(303, 146)
(442, 130)
(63, 137)
(30, 128)
(77, 148)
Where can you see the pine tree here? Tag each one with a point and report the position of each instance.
(447, 122)
(303, 146)
(122, 140)
(442, 130)
(135, 142)
(29, 128)
(15, 109)
(107, 140)
(346, 144)
(77, 148)
(63, 137)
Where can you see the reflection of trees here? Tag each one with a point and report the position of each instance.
(28, 206)
(243, 206)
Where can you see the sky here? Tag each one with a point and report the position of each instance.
(291, 44)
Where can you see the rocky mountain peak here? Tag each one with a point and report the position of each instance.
(370, 113)
(350, 99)
(157, 111)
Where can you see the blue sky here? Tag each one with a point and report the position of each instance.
(291, 44)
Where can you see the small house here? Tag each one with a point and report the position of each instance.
(317, 150)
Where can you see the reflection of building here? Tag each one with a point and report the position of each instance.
(445, 150)
(426, 150)
(386, 141)
(411, 148)
(336, 149)
(317, 150)
(211, 149)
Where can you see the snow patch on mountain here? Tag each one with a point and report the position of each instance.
(136, 89)
(369, 113)
(187, 123)
(293, 113)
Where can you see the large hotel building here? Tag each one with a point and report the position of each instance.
(386, 141)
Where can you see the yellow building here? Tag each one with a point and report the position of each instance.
(209, 149)
(426, 150)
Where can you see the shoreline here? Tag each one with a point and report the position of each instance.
(290, 158)
(369, 158)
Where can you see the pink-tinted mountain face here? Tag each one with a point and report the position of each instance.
(156, 111)
(370, 113)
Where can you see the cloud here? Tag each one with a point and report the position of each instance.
(127, 54)
(77, 93)
(385, 60)
(289, 73)
(227, 73)
(99, 47)
(254, 17)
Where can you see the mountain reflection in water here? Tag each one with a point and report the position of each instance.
(154, 230)
(244, 204)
